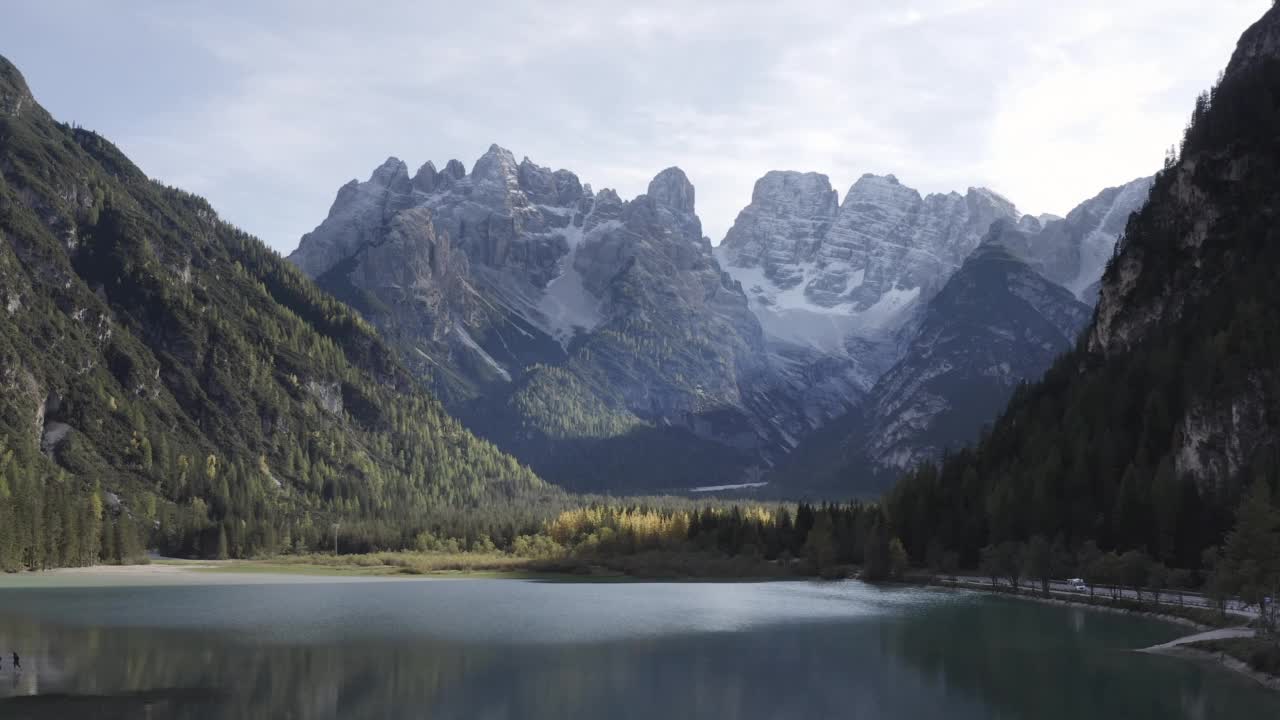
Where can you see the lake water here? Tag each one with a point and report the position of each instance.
(527, 649)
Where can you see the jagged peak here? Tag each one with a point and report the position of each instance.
(992, 197)
(874, 179)
(427, 167)
(495, 160)
(889, 179)
(791, 184)
(783, 174)
(980, 190)
(390, 171)
(871, 186)
(671, 188)
(427, 177)
(345, 195)
(454, 169)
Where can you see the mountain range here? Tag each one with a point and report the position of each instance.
(608, 343)
(1020, 298)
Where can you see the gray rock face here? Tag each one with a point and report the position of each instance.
(884, 239)
(789, 211)
(1074, 251)
(661, 283)
(996, 323)
(356, 219)
(1018, 300)
(846, 279)
(454, 265)
(838, 287)
(888, 238)
(546, 313)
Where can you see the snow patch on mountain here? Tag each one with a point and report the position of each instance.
(567, 307)
(1099, 244)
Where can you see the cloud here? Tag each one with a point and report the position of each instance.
(267, 111)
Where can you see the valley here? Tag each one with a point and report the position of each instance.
(874, 451)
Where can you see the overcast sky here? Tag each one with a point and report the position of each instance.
(267, 108)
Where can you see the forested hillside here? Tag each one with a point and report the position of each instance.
(165, 378)
(1149, 433)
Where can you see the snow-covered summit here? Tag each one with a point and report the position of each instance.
(822, 274)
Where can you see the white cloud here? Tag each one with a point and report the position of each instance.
(267, 111)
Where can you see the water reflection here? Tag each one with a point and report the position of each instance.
(792, 654)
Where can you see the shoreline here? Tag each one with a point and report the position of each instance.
(267, 571)
(168, 571)
(1177, 648)
(1222, 660)
(1101, 603)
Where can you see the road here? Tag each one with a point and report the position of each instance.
(1064, 589)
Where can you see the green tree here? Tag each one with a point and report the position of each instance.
(1157, 580)
(1009, 557)
(990, 565)
(877, 562)
(1135, 569)
(1179, 580)
(1250, 563)
(898, 559)
(1038, 562)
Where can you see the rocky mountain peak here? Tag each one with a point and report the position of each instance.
(981, 200)
(392, 173)
(495, 174)
(671, 188)
(427, 177)
(823, 274)
(454, 170)
(496, 163)
(545, 187)
(346, 195)
(874, 188)
(786, 189)
(789, 211)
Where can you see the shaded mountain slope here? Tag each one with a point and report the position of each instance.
(155, 356)
(1144, 436)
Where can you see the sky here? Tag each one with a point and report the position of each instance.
(267, 108)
